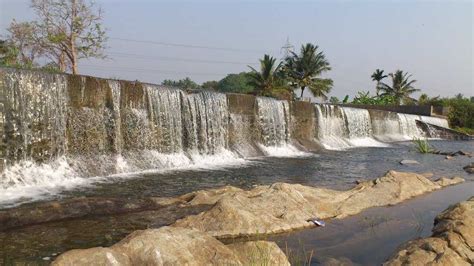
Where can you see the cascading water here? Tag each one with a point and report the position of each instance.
(344, 127)
(64, 131)
(332, 129)
(274, 120)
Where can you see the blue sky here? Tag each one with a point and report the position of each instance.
(433, 40)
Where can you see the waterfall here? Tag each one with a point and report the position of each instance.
(63, 131)
(344, 127)
(332, 129)
(273, 122)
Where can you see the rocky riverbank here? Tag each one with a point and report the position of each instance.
(259, 211)
(452, 241)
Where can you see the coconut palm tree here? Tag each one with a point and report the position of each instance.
(268, 76)
(378, 76)
(304, 69)
(401, 88)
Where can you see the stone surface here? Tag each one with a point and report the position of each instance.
(283, 207)
(259, 253)
(175, 246)
(452, 241)
(469, 168)
(76, 208)
(407, 162)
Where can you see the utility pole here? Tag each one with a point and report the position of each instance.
(287, 48)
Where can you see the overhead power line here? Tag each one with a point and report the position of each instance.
(189, 45)
(154, 70)
(179, 59)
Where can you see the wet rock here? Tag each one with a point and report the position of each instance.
(175, 246)
(452, 241)
(448, 157)
(283, 207)
(259, 253)
(77, 208)
(407, 162)
(469, 168)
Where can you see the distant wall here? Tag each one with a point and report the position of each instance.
(406, 109)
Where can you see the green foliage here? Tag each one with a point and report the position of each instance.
(465, 130)
(210, 85)
(365, 98)
(346, 99)
(268, 77)
(400, 89)
(303, 71)
(334, 100)
(185, 83)
(461, 113)
(239, 83)
(422, 145)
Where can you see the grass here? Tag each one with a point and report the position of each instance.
(422, 145)
(300, 257)
(465, 130)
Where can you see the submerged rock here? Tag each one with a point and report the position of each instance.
(175, 246)
(283, 207)
(469, 168)
(407, 162)
(452, 241)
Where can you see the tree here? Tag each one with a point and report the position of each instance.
(378, 76)
(401, 88)
(185, 83)
(212, 85)
(334, 100)
(69, 30)
(303, 70)
(8, 54)
(267, 78)
(424, 99)
(21, 37)
(239, 83)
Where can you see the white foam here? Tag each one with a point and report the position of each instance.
(283, 150)
(28, 181)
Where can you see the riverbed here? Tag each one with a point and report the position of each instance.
(354, 238)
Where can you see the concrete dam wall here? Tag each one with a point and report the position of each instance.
(61, 129)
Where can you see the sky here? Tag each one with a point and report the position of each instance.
(205, 40)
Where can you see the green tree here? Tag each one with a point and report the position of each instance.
(378, 76)
(185, 83)
(266, 79)
(239, 83)
(304, 69)
(8, 54)
(401, 88)
(212, 85)
(334, 100)
(424, 99)
(69, 30)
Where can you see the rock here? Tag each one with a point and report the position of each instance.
(76, 208)
(443, 181)
(469, 168)
(175, 246)
(283, 207)
(451, 243)
(92, 256)
(448, 157)
(259, 253)
(407, 162)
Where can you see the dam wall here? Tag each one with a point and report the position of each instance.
(60, 129)
(426, 110)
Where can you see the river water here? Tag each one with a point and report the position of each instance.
(337, 169)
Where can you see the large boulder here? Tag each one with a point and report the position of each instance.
(283, 207)
(175, 246)
(452, 241)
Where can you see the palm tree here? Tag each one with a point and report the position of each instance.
(401, 89)
(378, 76)
(303, 70)
(265, 79)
